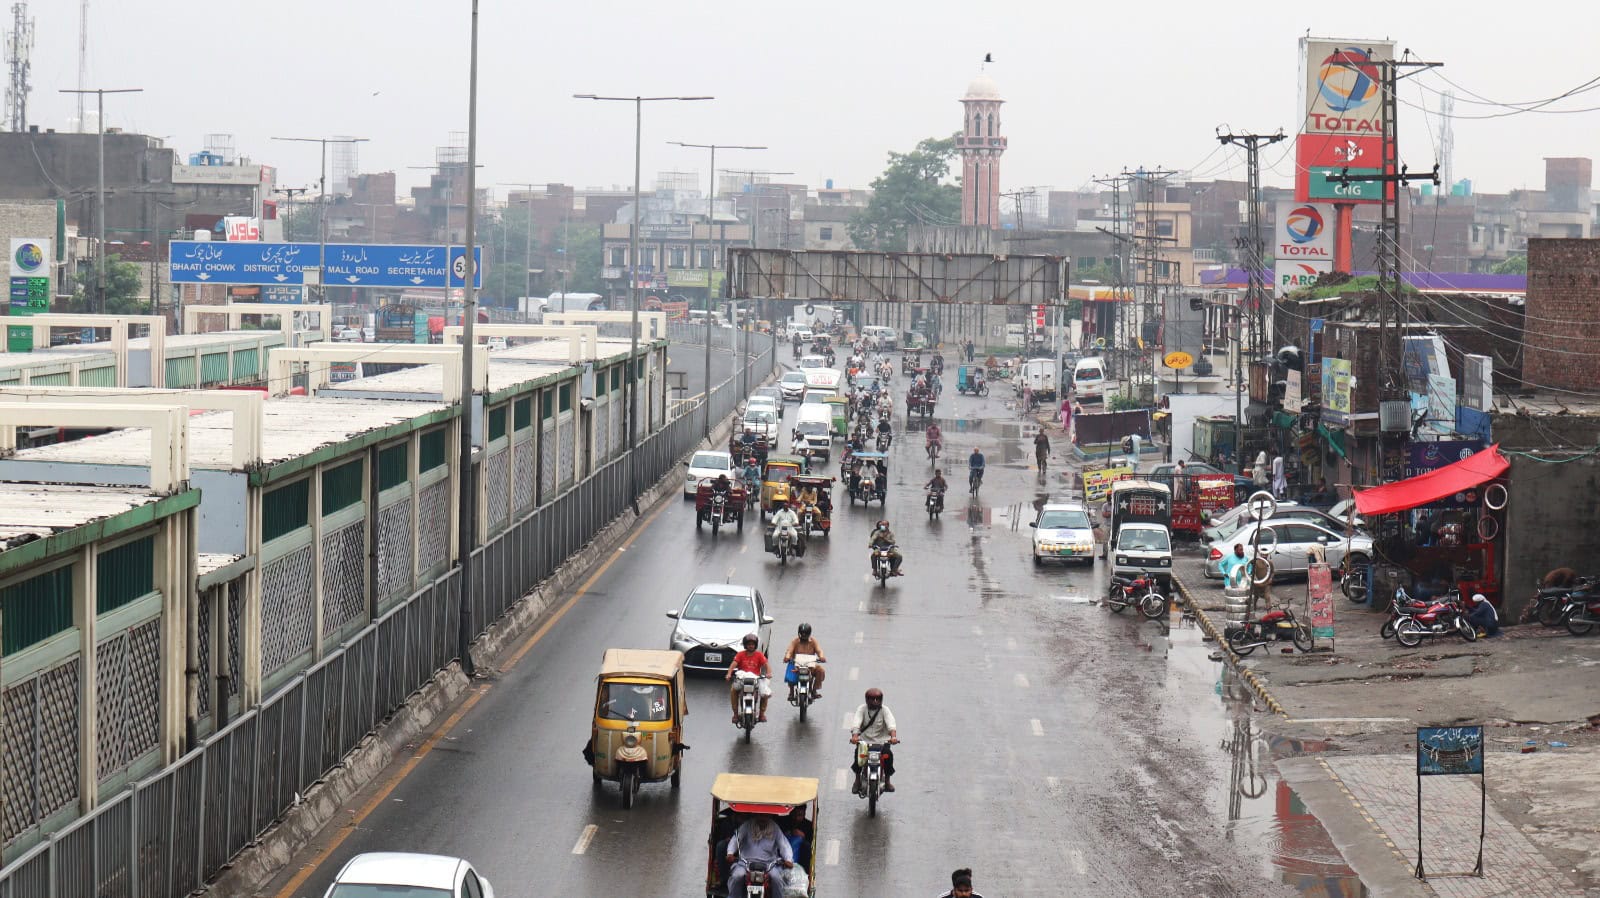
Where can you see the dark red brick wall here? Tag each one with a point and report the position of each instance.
(1563, 320)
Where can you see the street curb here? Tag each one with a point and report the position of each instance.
(1245, 673)
(269, 853)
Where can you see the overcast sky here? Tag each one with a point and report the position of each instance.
(830, 86)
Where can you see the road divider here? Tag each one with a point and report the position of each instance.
(1210, 629)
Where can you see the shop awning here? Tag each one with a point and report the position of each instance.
(1335, 439)
(1472, 471)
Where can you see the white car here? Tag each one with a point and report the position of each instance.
(394, 874)
(1063, 532)
(1141, 548)
(706, 465)
(763, 404)
(761, 423)
(1287, 544)
(713, 622)
(813, 361)
(803, 332)
(793, 385)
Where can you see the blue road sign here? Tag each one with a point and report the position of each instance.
(348, 264)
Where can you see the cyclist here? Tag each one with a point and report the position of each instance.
(975, 465)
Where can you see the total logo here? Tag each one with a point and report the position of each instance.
(1347, 79)
(1300, 275)
(1304, 227)
(29, 257)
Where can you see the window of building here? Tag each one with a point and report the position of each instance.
(649, 257)
(36, 609)
(619, 257)
(430, 452)
(497, 422)
(991, 124)
(1164, 228)
(523, 413)
(825, 233)
(678, 256)
(285, 509)
(707, 258)
(394, 466)
(341, 486)
(124, 574)
(566, 397)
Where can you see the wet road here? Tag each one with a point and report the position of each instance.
(1053, 747)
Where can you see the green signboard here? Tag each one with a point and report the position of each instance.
(1320, 188)
(19, 339)
(30, 295)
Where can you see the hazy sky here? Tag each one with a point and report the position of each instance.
(830, 86)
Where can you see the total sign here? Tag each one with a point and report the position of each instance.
(1302, 245)
(1343, 85)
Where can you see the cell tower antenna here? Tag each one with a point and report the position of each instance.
(83, 59)
(19, 47)
(1447, 140)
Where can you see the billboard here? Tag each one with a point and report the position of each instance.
(1343, 85)
(1304, 231)
(1336, 391)
(30, 275)
(1289, 275)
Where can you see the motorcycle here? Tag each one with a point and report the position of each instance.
(782, 546)
(749, 701)
(975, 480)
(1550, 603)
(718, 515)
(804, 691)
(1276, 625)
(933, 449)
(883, 564)
(1143, 591)
(884, 439)
(1440, 618)
(1582, 613)
(755, 884)
(869, 757)
(934, 503)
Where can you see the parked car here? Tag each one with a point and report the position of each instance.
(713, 622)
(395, 874)
(1341, 510)
(1063, 532)
(1291, 540)
(1226, 525)
(706, 465)
(1200, 467)
(793, 385)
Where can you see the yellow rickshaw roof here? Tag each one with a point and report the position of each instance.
(641, 663)
(793, 461)
(748, 789)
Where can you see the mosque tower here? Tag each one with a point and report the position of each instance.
(980, 144)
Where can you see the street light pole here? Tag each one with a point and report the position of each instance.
(633, 273)
(100, 202)
(469, 318)
(322, 204)
(711, 215)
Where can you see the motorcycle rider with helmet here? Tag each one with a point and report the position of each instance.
(874, 724)
(805, 644)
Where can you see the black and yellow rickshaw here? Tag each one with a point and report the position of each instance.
(637, 733)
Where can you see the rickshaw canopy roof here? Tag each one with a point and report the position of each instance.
(836, 400)
(641, 663)
(741, 788)
(792, 461)
(812, 480)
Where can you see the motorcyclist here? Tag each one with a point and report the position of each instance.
(975, 465)
(935, 385)
(722, 486)
(751, 660)
(874, 724)
(977, 380)
(804, 644)
(933, 437)
(807, 500)
(883, 538)
(937, 484)
(757, 839)
(785, 521)
(885, 429)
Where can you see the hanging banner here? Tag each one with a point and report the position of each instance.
(1097, 484)
(1336, 391)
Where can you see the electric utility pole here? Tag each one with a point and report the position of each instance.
(100, 191)
(1119, 278)
(1256, 300)
(1150, 239)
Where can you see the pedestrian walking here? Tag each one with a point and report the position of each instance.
(1258, 472)
(1027, 398)
(961, 885)
(1066, 415)
(1279, 484)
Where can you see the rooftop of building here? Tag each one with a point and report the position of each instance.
(30, 511)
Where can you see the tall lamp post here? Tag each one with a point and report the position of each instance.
(322, 204)
(633, 275)
(100, 193)
(711, 214)
(527, 248)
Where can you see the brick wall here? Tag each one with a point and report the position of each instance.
(1546, 527)
(1563, 320)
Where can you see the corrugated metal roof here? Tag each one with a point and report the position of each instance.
(217, 338)
(30, 511)
(292, 427)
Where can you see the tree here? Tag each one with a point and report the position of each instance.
(1100, 272)
(1512, 265)
(124, 285)
(912, 188)
(301, 224)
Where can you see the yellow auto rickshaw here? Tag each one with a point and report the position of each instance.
(791, 800)
(775, 481)
(639, 708)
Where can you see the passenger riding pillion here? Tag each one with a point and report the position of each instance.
(883, 538)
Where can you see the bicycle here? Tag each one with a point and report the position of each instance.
(975, 480)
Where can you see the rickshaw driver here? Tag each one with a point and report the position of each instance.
(805, 644)
(807, 500)
(751, 661)
(757, 839)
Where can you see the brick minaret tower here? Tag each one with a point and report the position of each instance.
(980, 144)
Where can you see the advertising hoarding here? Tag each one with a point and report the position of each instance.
(1343, 85)
(1336, 391)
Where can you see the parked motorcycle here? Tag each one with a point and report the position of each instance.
(882, 565)
(1405, 606)
(1440, 618)
(1582, 613)
(1143, 591)
(934, 503)
(1276, 625)
(1550, 603)
(749, 701)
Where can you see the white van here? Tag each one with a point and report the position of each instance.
(879, 336)
(1143, 548)
(1089, 379)
(814, 425)
(1038, 375)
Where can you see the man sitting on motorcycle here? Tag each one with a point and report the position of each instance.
(751, 660)
(805, 644)
(883, 538)
(885, 429)
(807, 500)
(934, 437)
(937, 484)
(757, 840)
(785, 521)
(722, 486)
(752, 473)
(874, 724)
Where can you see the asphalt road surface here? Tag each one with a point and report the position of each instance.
(1055, 748)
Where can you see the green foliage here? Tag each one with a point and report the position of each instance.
(1512, 265)
(1099, 271)
(912, 188)
(1365, 284)
(1119, 402)
(300, 224)
(124, 284)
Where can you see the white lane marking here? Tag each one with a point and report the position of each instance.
(1053, 784)
(861, 606)
(742, 548)
(1021, 680)
(849, 720)
(855, 673)
(1011, 645)
(730, 573)
(585, 839)
(977, 631)
(841, 779)
(832, 857)
(1078, 864)
(1038, 728)
(859, 636)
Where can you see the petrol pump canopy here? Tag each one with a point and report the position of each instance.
(1474, 470)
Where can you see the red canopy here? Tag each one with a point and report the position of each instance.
(1437, 484)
